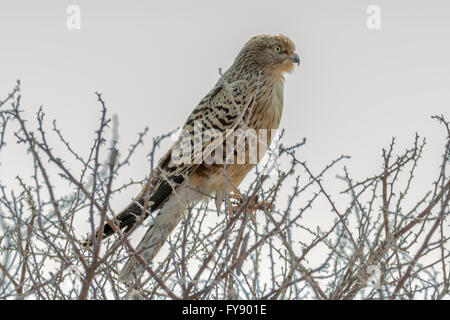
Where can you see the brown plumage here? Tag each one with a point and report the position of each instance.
(248, 95)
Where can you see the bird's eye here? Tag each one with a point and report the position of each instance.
(277, 49)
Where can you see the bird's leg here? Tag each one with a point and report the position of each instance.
(236, 195)
(262, 205)
(233, 199)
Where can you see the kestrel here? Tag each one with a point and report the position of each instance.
(249, 95)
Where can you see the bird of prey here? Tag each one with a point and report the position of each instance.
(248, 95)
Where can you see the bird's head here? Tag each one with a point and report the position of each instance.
(273, 54)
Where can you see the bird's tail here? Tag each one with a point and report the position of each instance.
(124, 221)
(162, 225)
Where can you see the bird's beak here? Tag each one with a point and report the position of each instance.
(295, 58)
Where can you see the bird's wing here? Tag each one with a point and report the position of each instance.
(221, 111)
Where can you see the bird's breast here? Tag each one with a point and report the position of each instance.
(269, 107)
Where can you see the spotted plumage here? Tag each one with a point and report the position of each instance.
(248, 95)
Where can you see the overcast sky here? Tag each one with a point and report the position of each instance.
(155, 60)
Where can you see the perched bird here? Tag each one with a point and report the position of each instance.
(248, 95)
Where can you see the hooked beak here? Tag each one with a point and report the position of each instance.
(295, 58)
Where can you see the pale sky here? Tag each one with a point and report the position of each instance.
(155, 60)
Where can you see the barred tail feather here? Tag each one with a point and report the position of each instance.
(127, 218)
(167, 219)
